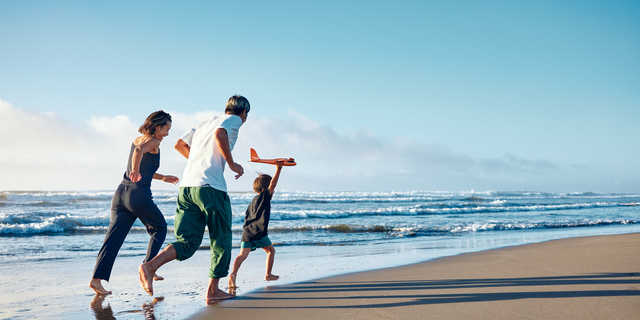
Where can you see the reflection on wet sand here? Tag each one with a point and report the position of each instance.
(105, 313)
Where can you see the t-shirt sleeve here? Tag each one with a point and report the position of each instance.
(188, 136)
(231, 124)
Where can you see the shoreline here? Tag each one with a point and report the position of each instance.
(591, 277)
(181, 295)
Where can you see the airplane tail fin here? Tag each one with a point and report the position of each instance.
(254, 155)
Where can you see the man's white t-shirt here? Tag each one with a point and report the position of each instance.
(206, 164)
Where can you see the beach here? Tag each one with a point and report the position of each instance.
(49, 242)
(578, 278)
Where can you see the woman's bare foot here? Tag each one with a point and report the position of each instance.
(146, 278)
(271, 277)
(157, 277)
(96, 285)
(232, 281)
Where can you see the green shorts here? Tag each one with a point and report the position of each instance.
(197, 208)
(264, 242)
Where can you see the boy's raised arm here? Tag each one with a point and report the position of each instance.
(274, 180)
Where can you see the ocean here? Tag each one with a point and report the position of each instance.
(317, 234)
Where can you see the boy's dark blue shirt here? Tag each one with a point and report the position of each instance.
(256, 219)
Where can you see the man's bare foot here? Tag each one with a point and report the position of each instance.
(219, 295)
(157, 277)
(146, 278)
(96, 285)
(271, 277)
(232, 281)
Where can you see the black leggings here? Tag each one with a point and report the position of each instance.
(130, 202)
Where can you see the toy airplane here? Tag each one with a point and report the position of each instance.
(285, 162)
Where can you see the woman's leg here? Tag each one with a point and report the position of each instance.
(121, 222)
(156, 226)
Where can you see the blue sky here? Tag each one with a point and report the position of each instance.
(366, 95)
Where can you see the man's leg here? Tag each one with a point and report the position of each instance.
(147, 270)
(218, 215)
(189, 227)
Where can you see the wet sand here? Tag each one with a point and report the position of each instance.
(578, 278)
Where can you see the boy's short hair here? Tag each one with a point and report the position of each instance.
(237, 104)
(261, 182)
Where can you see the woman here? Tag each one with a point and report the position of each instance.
(132, 199)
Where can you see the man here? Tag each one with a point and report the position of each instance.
(203, 200)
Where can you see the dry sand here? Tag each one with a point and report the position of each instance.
(577, 278)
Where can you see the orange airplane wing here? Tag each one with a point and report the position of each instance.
(285, 162)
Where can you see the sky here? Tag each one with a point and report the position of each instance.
(365, 95)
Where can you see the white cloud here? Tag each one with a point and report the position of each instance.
(43, 151)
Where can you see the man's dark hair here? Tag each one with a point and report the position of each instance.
(237, 104)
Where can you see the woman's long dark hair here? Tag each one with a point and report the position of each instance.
(158, 118)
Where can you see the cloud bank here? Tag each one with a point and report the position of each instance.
(41, 151)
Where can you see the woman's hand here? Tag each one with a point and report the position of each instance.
(135, 176)
(170, 179)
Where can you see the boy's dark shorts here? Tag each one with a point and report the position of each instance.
(264, 242)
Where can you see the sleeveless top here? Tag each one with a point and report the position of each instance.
(148, 166)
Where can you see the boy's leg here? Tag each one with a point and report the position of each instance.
(244, 253)
(271, 256)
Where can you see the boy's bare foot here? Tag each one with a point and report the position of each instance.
(146, 278)
(157, 277)
(271, 277)
(219, 295)
(96, 285)
(232, 281)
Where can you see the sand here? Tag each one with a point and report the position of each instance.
(578, 278)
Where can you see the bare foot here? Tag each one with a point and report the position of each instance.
(232, 281)
(157, 277)
(271, 277)
(219, 295)
(146, 278)
(96, 285)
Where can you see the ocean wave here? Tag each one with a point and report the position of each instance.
(440, 209)
(452, 228)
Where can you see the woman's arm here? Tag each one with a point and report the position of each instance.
(166, 178)
(141, 149)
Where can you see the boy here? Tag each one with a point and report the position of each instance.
(256, 222)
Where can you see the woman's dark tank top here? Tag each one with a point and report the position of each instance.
(148, 166)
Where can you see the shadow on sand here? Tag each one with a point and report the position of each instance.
(407, 293)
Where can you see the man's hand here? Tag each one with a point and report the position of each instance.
(237, 169)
